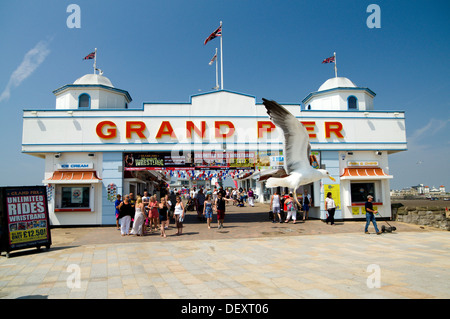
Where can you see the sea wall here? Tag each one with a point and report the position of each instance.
(436, 217)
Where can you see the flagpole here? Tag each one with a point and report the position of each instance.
(95, 60)
(221, 59)
(217, 73)
(335, 65)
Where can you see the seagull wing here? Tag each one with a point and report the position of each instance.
(296, 139)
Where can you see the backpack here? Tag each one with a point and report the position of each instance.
(290, 206)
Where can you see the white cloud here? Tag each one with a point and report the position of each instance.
(429, 130)
(30, 63)
(426, 161)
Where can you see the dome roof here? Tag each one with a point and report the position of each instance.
(94, 79)
(337, 82)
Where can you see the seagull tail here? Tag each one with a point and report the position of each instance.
(277, 182)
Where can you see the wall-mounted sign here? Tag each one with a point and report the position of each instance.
(76, 166)
(335, 191)
(362, 163)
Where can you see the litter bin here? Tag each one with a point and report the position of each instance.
(24, 219)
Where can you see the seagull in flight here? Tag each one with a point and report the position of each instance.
(296, 151)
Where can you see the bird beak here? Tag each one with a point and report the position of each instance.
(331, 177)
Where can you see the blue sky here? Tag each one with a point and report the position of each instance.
(272, 49)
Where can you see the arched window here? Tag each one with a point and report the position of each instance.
(352, 103)
(84, 101)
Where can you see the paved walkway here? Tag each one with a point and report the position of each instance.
(250, 258)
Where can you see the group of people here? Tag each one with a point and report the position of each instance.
(290, 206)
(146, 214)
(201, 200)
(212, 201)
(241, 196)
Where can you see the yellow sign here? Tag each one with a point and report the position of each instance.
(335, 191)
(356, 211)
(21, 236)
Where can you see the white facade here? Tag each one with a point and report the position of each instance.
(98, 90)
(353, 144)
(337, 94)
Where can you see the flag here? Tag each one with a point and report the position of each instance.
(213, 59)
(329, 60)
(216, 33)
(89, 56)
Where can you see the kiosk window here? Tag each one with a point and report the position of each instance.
(76, 196)
(360, 191)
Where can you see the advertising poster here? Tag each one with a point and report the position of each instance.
(26, 219)
(269, 160)
(335, 193)
(235, 159)
(77, 195)
(314, 159)
(157, 160)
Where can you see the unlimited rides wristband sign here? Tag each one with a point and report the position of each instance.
(25, 217)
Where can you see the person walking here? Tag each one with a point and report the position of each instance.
(291, 207)
(306, 203)
(208, 210)
(146, 201)
(330, 207)
(116, 205)
(275, 206)
(139, 218)
(172, 200)
(153, 213)
(370, 215)
(251, 197)
(220, 209)
(200, 202)
(126, 212)
(179, 215)
(163, 210)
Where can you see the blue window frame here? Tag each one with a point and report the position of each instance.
(84, 101)
(352, 103)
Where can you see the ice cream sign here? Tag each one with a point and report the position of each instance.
(76, 166)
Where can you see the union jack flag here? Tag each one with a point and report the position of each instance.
(216, 33)
(213, 59)
(328, 60)
(89, 56)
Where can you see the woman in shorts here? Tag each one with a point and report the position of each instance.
(208, 210)
(179, 215)
(275, 206)
(153, 213)
(220, 209)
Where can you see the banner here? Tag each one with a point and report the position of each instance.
(157, 160)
